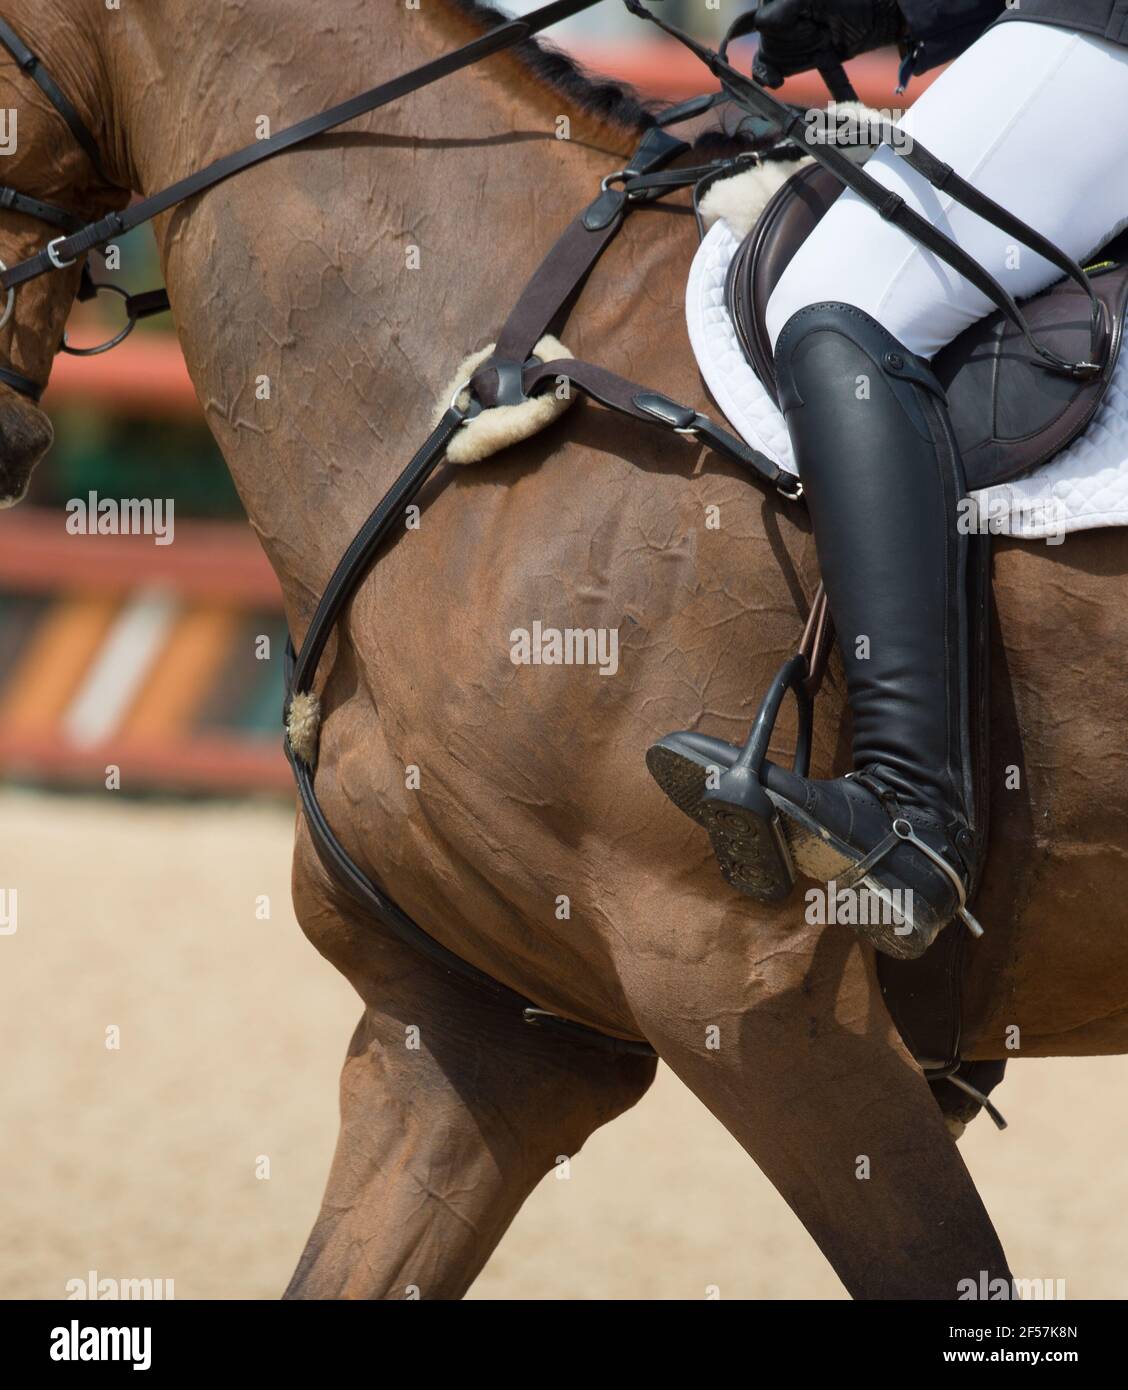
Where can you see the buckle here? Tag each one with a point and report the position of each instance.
(54, 257)
(473, 409)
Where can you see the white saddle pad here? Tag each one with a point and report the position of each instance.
(1084, 486)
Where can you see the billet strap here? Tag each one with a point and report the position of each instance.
(893, 208)
(816, 642)
(28, 62)
(117, 223)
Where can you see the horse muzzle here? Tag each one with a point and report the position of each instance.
(25, 436)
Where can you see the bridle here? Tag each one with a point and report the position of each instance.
(137, 306)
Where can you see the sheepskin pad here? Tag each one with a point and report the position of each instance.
(502, 425)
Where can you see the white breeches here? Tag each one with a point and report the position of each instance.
(1033, 116)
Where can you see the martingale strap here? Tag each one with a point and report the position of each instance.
(509, 376)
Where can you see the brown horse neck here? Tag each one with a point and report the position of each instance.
(300, 274)
(281, 63)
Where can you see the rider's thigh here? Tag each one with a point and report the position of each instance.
(1033, 116)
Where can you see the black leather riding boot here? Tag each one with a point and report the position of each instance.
(882, 477)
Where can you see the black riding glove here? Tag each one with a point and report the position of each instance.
(800, 35)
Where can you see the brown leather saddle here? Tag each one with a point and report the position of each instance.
(1009, 410)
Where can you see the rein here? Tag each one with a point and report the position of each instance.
(79, 238)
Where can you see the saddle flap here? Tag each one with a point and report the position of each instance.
(1009, 410)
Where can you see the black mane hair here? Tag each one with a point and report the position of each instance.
(613, 101)
(600, 97)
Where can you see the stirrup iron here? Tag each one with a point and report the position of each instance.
(743, 822)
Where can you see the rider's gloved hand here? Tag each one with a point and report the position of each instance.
(800, 35)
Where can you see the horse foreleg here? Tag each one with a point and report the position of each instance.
(452, 1110)
(783, 1035)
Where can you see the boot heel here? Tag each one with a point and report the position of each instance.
(744, 827)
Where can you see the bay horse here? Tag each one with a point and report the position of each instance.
(507, 807)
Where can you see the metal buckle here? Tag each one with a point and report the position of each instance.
(9, 303)
(130, 325)
(53, 255)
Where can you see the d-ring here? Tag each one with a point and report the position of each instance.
(54, 257)
(473, 408)
(9, 303)
(130, 325)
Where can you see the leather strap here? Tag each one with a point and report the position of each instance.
(29, 63)
(351, 570)
(509, 372)
(11, 200)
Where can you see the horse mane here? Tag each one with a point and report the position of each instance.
(608, 100)
(600, 97)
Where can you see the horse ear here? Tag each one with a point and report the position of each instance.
(25, 436)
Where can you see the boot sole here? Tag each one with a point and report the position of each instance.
(750, 849)
(761, 857)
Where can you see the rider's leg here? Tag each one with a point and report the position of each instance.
(882, 474)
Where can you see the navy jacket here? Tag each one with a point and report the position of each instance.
(941, 29)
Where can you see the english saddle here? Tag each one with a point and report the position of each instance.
(1011, 412)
